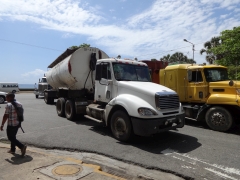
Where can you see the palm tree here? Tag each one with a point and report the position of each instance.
(190, 61)
(178, 57)
(210, 56)
(166, 58)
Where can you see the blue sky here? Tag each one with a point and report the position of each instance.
(144, 29)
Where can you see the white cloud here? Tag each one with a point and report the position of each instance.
(35, 73)
(67, 35)
(158, 29)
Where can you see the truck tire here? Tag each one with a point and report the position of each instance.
(60, 107)
(36, 96)
(219, 119)
(2, 99)
(70, 109)
(13, 91)
(121, 126)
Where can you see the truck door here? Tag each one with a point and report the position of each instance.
(103, 82)
(197, 88)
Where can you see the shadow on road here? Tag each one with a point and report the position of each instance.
(173, 140)
(234, 130)
(18, 159)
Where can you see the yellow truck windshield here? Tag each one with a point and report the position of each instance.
(216, 74)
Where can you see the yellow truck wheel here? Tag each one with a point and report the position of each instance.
(219, 119)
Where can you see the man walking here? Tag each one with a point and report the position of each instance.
(13, 124)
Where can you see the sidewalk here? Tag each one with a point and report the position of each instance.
(43, 164)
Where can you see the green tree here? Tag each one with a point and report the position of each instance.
(166, 58)
(190, 61)
(208, 47)
(83, 45)
(229, 48)
(178, 57)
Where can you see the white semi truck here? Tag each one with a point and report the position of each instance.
(116, 92)
(41, 87)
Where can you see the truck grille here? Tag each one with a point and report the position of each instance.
(42, 87)
(167, 101)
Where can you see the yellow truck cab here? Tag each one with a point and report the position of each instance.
(205, 92)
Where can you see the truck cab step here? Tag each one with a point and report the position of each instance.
(91, 118)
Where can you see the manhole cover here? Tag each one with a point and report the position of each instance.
(67, 170)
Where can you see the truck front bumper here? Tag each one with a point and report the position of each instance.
(147, 127)
(39, 93)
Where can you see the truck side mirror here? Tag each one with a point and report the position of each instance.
(39, 80)
(104, 81)
(189, 77)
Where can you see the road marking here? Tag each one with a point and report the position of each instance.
(223, 168)
(193, 160)
(220, 174)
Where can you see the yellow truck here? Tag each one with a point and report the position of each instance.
(205, 92)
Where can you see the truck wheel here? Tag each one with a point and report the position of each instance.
(13, 91)
(70, 110)
(219, 119)
(2, 99)
(36, 96)
(121, 126)
(46, 98)
(60, 107)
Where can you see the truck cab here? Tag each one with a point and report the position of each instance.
(205, 92)
(42, 85)
(128, 102)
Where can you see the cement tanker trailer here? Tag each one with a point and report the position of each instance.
(115, 92)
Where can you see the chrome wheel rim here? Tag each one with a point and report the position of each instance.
(218, 119)
(1, 100)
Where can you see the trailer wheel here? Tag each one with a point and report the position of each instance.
(121, 126)
(36, 96)
(2, 99)
(60, 107)
(70, 110)
(219, 119)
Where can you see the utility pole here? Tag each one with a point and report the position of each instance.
(193, 46)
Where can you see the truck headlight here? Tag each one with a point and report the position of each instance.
(146, 112)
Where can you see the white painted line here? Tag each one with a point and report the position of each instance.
(223, 168)
(220, 174)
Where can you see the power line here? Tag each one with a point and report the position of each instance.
(160, 53)
(30, 45)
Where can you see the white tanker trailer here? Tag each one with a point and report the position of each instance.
(116, 92)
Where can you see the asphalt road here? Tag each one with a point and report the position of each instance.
(193, 151)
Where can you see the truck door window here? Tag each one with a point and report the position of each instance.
(196, 76)
(103, 70)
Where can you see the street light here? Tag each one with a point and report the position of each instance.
(192, 46)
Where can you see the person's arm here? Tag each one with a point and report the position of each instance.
(4, 119)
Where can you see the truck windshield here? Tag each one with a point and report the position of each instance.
(44, 80)
(130, 72)
(216, 74)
